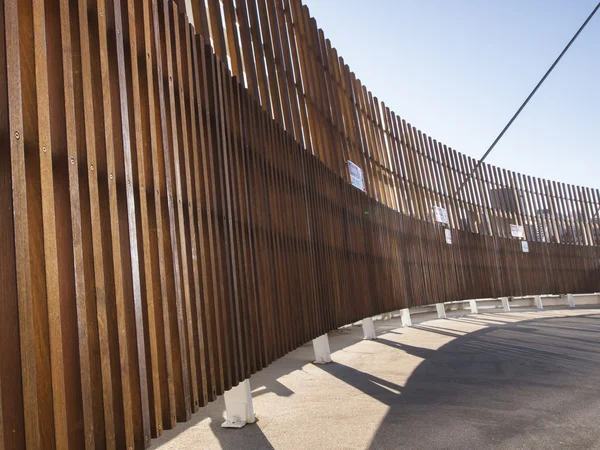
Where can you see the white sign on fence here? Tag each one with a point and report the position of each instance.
(525, 246)
(448, 237)
(441, 215)
(357, 177)
(517, 231)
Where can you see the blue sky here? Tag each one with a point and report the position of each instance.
(459, 69)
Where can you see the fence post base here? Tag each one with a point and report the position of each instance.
(322, 350)
(369, 328)
(441, 310)
(473, 306)
(238, 406)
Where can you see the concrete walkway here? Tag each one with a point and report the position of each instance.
(526, 379)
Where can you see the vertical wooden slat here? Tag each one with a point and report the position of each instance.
(12, 395)
(180, 214)
(31, 309)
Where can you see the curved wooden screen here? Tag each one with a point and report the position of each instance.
(170, 223)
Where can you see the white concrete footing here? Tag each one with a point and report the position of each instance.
(538, 302)
(473, 305)
(369, 328)
(505, 304)
(405, 317)
(322, 350)
(238, 405)
(571, 299)
(441, 310)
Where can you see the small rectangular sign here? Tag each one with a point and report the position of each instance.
(517, 231)
(441, 215)
(525, 246)
(448, 237)
(357, 177)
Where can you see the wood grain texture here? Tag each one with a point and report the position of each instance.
(177, 211)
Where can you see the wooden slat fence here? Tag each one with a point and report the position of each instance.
(176, 212)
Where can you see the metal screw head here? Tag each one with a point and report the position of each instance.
(92, 167)
(44, 149)
(147, 438)
(111, 176)
(17, 135)
(72, 161)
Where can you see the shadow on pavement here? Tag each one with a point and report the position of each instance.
(530, 384)
(522, 385)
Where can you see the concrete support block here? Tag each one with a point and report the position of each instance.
(321, 349)
(405, 316)
(505, 304)
(538, 302)
(238, 405)
(369, 328)
(441, 310)
(473, 306)
(571, 299)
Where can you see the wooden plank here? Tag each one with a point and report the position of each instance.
(204, 306)
(173, 189)
(188, 101)
(75, 158)
(12, 395)
(171, 232)
(35, 371)
(48, 217)
(180, 151)
(208, 176)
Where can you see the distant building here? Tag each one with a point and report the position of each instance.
(510, 202)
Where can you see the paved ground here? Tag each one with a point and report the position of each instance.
(522, 380)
